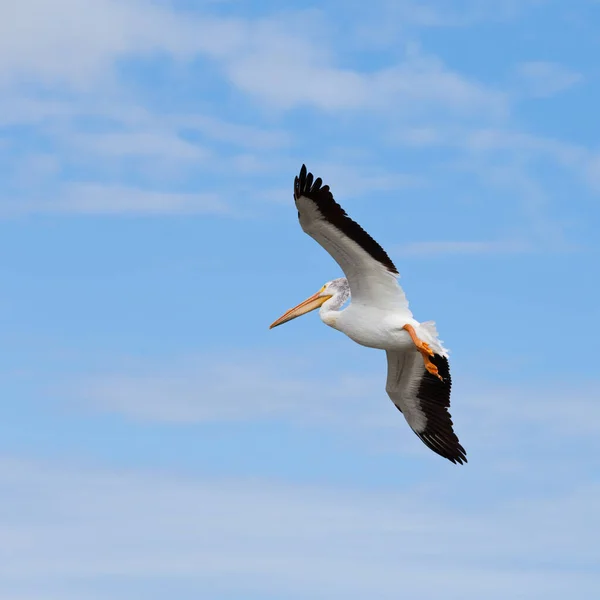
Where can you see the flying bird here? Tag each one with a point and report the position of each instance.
(378, 316)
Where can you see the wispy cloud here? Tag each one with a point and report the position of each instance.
(541, 78)
(153, 107)
(276, 60)
(37, 44)
(384, 22)
(285, 78)
(508, 161)
(233, 133)
(204, 390)
(164, 145)
(291, 389)
(80, 99)
(494, 139)
(289, 540)
(98, 199)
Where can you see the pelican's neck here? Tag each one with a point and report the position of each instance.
(330, 310)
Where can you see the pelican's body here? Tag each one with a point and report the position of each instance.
(369, 326)
(378, 316)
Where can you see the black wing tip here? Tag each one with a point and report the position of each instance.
(440, 437)
(460, 457)
(449, 448)
(305, 184)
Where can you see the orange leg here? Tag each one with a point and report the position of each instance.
(425, 350)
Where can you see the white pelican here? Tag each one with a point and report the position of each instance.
(418, 378)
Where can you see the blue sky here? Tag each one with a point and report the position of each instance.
(157, 439)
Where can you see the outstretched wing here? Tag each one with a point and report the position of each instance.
(371, 274)
(424, 401)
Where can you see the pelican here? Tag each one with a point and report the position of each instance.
(418, 375)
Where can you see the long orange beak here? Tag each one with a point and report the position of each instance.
(307, 306)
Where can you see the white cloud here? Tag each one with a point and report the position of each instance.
(204, 390)
(76, 42)
(285, 77)
(81, 53)
(490, 139)
(383, 22)
(518, 149)
(564, 153)
(79, 42)
(162, 145)
(541, 78)
(507, 163)
(555, 409)
(105, 199)
(426, 135)
(283, 61)
(592, 172)
(131, 122)
(65, 525)
(292, 389)
(233, 133)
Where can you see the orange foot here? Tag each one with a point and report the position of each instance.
(425, 350)
(432, 368)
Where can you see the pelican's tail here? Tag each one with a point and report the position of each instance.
(428, 333)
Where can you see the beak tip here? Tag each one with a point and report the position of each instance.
(307, 306)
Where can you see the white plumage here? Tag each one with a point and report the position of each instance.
(418, 380)
(372, 284)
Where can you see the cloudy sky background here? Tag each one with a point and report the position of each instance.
(157, 439)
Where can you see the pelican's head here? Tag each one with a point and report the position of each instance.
(329, 290)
